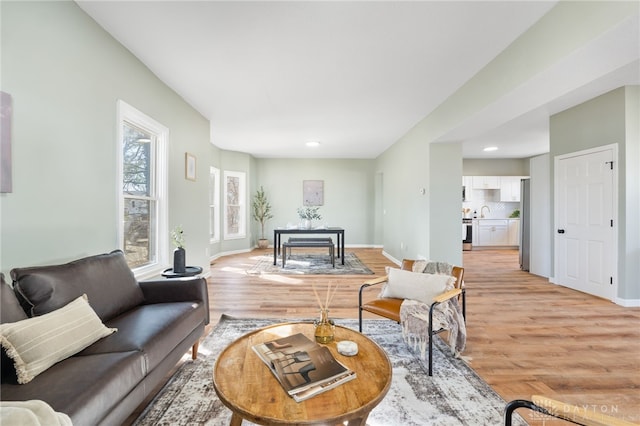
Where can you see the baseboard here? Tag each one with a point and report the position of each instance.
(627, 303)
(228, 253)
(270, 247)
(391, 258)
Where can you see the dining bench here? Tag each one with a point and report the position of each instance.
(308, 243)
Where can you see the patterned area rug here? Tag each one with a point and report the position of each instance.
(453, 396)
(311, 263)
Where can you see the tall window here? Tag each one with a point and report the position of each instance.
(143, 234)
(234, 205)
(214, 205)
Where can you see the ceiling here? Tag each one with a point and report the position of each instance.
(353, 76)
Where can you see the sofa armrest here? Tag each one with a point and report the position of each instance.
(177, 290)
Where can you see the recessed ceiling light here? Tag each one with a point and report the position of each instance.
(490, 148)
(313, 144)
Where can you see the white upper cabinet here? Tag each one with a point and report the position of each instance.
(486, 182)
(510, 188)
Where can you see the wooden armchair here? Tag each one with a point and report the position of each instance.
(390, 307)
(561, 410)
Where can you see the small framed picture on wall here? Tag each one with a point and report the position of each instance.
(189, 166)
(313, 192)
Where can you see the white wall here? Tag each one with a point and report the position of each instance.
(608, 119)
(540, 216)
(495, 167)
(65, 75)
(349, 194)
(631, 188)
(445, 236)
(405, 211)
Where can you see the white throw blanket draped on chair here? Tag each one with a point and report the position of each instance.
(414, 315)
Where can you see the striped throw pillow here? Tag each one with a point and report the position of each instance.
(37, 343)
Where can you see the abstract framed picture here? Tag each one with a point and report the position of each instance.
(313, 192)
(189, 166)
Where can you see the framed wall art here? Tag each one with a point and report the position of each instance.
(313, 192)
(189, 166)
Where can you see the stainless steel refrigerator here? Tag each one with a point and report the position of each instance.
(525, 220)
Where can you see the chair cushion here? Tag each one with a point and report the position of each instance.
(416, 286)
(35, 344)
(386, 307)
(106, 279)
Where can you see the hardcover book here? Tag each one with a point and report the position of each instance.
(303, 367)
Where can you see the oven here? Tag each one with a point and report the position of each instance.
(467, 234)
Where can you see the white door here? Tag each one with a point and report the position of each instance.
(585, 253)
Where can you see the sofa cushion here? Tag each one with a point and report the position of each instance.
(37, 343)
(106, 279)
(10, 309)
(155, 330)
(416, 286)
(86, 388)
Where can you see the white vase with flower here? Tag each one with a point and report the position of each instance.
(307, 214)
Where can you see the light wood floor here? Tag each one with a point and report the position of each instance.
(525, 335)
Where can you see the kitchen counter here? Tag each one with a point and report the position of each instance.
(492, 232)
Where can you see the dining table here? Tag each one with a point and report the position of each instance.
(278, 232)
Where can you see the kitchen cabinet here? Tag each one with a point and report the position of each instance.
(496, 232)
(514, 232)
(486, 182)
(493, 232)
(510, 188)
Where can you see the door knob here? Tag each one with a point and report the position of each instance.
(560, 231)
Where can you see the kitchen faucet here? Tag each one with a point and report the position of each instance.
(482, 211)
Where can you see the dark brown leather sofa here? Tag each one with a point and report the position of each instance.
(157, 322)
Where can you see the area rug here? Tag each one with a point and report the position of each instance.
(453, 396)
(309, 264)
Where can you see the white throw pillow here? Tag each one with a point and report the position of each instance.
(416, 286)
(37, 343)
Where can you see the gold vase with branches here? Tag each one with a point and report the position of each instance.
(325, 327)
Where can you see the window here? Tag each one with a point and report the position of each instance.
(214, 205)
(142, 224)
(234, 205)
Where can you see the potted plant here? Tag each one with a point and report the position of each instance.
(309, 213)
(261, 213)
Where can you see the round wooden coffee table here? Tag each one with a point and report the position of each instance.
(246, 386)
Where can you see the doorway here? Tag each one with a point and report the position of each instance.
(585, 205)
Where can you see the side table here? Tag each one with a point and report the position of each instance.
(189, 271)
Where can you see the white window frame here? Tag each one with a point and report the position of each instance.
(242, 197)
(128, 114)
(214, 204)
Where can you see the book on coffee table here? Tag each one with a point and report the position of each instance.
(303, 367)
